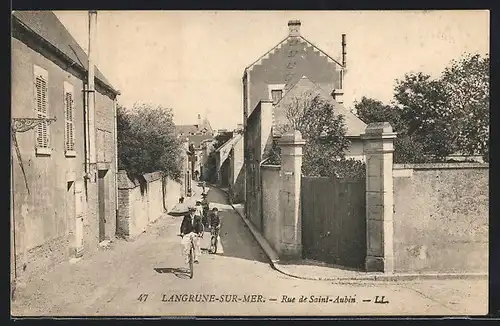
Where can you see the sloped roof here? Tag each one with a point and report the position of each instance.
(230, 142)
(46, 25)
(354, 125)
(194, 128)
(283, 42)
(197, 140)
(225, 149)
(186, 129)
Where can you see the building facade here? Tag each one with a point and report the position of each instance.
(293, 66)
(63, 200)
(199, 137)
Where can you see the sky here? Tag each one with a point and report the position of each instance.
(193, 61)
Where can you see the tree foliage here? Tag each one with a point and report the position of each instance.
(467, 84)
(147, 141)
(437, 117)
(325, 136)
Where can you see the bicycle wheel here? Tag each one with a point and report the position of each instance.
(191, 265)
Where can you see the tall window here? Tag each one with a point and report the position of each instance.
(276, 95)
(41, 110)
(69, 126)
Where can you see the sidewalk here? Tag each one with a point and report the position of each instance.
(313, 270)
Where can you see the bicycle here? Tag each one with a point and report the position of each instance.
(214, 234)
(191, 256)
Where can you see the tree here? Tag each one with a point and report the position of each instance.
(467, 83)
(427, 114)
(406, 149)
(324, 133)
(147, 141)
(371, 110)
(437, 117)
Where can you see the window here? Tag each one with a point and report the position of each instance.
(41, 110)
(69, 125)
(275, 92)
(276, 95)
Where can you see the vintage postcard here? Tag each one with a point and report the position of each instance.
(249, 163)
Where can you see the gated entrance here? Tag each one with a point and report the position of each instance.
(333, 220)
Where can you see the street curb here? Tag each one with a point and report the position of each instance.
(274, 259)
(266, 247)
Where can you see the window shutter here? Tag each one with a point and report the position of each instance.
(41, 102)
(69, 139)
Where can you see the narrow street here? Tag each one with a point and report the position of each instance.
(143, 278)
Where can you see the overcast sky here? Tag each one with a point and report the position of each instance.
(193, 61)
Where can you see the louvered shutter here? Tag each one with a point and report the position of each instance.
(42, 135)
(69, 123)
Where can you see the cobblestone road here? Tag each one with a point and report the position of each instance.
(143, 278)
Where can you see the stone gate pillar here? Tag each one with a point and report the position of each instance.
(289, 196)
(378, 150)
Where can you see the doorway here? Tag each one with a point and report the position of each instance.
(101, 198)
(76, 212)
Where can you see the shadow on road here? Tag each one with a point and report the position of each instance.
(235, 237)
(179, 272)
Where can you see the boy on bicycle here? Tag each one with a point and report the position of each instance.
(191, 229)
(215, 226)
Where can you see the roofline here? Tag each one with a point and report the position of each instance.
(62, 55)
(291, 87)
(262, 56)
(274, 47)
(230, 139)
(323, 52)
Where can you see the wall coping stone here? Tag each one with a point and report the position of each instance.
(124, 182)
(436, 166)
(271, 166)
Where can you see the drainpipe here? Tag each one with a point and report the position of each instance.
(344, 61)
(13, 230)
(87, 138)
(91, 89)
(115, 129)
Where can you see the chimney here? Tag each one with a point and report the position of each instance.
(343, 51)
(294, 28)
(199, 120)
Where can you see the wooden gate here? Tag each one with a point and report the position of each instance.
(333, 221)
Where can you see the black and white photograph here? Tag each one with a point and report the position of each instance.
(249, 163)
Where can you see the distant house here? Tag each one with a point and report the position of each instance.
(199, 137)
(229, 165)
(355, 127)
(63, 198)
(294, 66)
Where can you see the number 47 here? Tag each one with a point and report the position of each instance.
(143, 297)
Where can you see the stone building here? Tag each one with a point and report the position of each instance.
(63, 175)
(293, 66)
(229, 165)
(199, 137)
